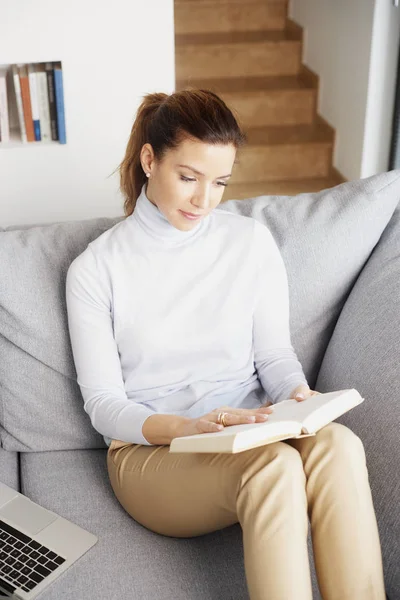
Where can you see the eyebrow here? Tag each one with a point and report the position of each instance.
(200, 173)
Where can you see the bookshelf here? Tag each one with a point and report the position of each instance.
(32, 108)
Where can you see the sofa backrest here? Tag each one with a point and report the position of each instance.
(325, 239)
(40, 401)
(364, 353)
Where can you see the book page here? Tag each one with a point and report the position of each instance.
(331, 410)
(323, 406)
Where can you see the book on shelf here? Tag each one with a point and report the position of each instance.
(289, 419)
(32, 102)
(4, 119)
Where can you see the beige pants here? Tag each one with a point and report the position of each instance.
(269, 490)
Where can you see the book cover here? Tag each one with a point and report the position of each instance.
(26, 102)
(18, 98)
(43, 102)
(52, 101)
(34, 101)
(59, 93)
(4, 120)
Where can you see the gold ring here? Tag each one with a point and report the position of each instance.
(221, 418)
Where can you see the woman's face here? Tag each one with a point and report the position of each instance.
(176, 189)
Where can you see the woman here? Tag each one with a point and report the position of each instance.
(179, 325)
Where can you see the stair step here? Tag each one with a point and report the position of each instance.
(293, 161)
(214, 2)
(285, 152)
(231, 85)
(259, 101)
(237, 54)
(210, 17)
(317, 132)
(238, 37)
(242, 191)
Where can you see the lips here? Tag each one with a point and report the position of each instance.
(191, 214)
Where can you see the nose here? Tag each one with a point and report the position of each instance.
(203, 197)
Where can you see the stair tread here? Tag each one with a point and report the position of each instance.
(241, 191)
(249, 84)
(230, 1)
(318, 132)
(237, 37)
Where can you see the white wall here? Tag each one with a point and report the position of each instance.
(381, 88)
(353, 46)
(112, 54)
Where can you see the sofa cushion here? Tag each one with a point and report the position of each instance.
(9, 469)
(364, 353)
(325, 239)
(41, 404)
(130, 561)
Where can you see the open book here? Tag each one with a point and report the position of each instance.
(289, 419)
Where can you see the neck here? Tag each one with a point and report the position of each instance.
(156, 225)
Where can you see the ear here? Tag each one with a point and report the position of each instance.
(146, 157)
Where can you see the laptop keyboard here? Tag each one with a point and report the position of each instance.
(24, 562)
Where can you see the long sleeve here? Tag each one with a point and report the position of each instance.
(277, 365)
(96, 356)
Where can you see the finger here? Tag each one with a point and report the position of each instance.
(299, 397)
(232, 419)
(208, 426)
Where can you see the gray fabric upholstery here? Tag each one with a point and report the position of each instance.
(325, 239)
(42, 404)
(9, 469)
(341, 249)
(130, 561)
(364, 353)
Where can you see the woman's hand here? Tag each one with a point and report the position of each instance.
(233, 416)
(301, 392)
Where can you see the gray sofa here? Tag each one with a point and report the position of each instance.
(342, 252)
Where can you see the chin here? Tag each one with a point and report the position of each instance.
(186, 227)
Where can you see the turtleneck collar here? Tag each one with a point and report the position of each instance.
(155, 224)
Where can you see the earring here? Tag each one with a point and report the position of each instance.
(147, 174)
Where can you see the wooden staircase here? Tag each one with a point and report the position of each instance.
(249, 53)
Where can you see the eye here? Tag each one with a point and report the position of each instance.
(218, 183)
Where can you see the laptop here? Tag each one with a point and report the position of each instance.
(36, 545)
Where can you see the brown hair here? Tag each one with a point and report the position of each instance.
(163, 121)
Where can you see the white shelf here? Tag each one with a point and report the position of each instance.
(16, 142)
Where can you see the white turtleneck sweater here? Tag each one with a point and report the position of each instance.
(179, 322)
